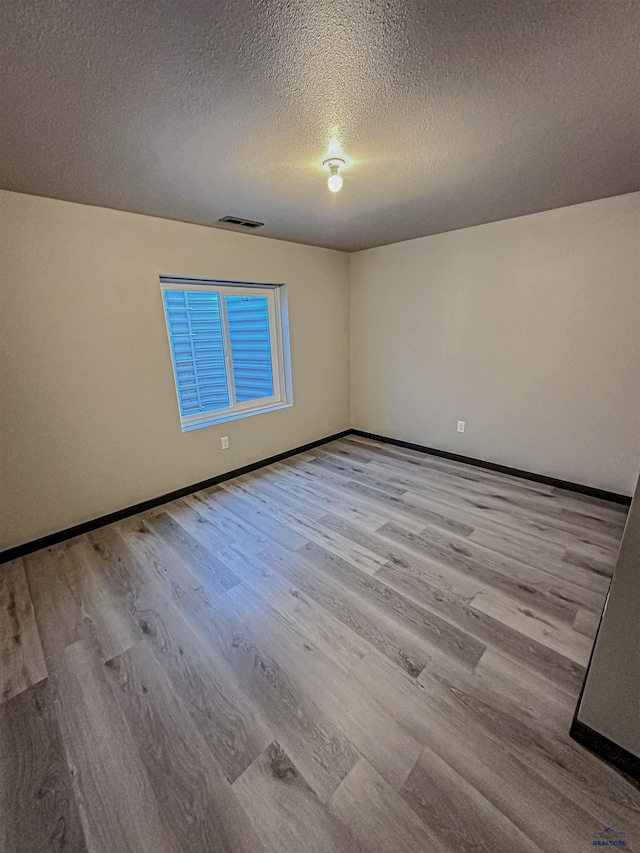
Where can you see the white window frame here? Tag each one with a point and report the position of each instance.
(282, 396)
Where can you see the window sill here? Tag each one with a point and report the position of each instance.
(235, 416)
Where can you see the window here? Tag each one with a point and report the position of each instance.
(230, 349)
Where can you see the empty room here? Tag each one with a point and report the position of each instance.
(319, 426)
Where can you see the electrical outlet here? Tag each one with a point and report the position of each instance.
(460, 426)
(225, 442)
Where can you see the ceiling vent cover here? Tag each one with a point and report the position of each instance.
(243, 223)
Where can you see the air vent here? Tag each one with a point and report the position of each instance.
(243, 223)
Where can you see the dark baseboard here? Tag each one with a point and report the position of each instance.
(93, 524)
(86, 526)
(606, 749)
(503, 469)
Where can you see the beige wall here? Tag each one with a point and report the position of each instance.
(88, 415)
(527, 329)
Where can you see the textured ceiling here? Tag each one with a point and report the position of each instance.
(451, 112)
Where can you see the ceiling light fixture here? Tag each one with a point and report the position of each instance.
(335, 181)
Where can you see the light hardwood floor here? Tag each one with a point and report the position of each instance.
(363, 648)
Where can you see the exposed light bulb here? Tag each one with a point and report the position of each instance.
(335, 181)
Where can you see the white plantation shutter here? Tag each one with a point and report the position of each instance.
(195, 333)
(248, 318)
(228, 345)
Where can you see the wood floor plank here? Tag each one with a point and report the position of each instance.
(462, 477)
(374, 733)
(559, 596)
(487, 630)
(354, 472)
(431, 465)
(320, 747)
(536, 695)
(285, 811)
(546, 749)
(469, 566)
(252, 512)
(421, 622)
(601, 504)
(500, 531)
(235, 728)
(525, 549)
(21, 657)
(379, 817)
(270, 482)
(236, 731)
(336, 487)
(512, 493)
(314, 531)
(214, 529)
(540, 627)
(198, 809)
(404, 501)
(119, 564)
(586, 622)
(598, 567)
(447, 480)
(397, 552)
(203, 565)
(153, 552)
(457, 814)
(438, 577)
(37, 804)
(118, 807)
(499, 770)
(609, 524)
(58, 617)
(545, 527)
(289, 482)
(345, 647)
(374, 625)
(449, 501)
(223, 527)
(457, 488)
(528, 544)
(105, 616)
